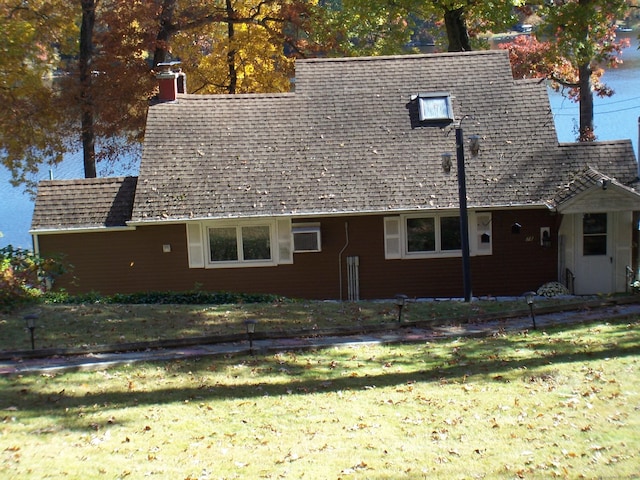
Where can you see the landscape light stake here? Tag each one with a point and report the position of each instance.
(31, 325)
(530, 297)
(401, 301)
(251, 328)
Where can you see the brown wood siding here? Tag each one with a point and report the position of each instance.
(132, 261)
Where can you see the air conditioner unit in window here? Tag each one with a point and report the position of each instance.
(306, 239)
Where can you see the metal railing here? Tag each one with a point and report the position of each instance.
(630, 278)
(570, 281)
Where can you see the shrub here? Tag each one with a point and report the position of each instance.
(24, 276)
(194, 297)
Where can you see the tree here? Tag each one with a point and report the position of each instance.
(360, 27)
(36, 36)
(581, 43)
(465, 20)
(78, 75)
(237, 46)
(85, 61)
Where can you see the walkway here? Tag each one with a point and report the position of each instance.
(404, 334)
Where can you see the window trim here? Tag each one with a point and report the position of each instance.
(280, 242)
(427, 114)
(239, 227)
(396, 243)
(437, 232)
(306, 228)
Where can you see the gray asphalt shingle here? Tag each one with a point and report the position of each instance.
(347, 140)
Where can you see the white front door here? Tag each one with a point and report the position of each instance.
(595, 255)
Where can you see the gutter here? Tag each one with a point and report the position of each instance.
(351, 213)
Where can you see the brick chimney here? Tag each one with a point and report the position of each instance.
(170, 81)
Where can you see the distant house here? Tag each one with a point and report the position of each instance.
(343, 190)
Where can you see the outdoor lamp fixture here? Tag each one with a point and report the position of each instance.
(474, 144)
(31, 325)
(446, 162)
(251, 328)
(545, 239)
(464, 217)
(401, 301)
(530, 296)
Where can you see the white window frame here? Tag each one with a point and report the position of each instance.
(280, 243)
(239, 244)
(396, 238)
(437, 252)
(306, 228)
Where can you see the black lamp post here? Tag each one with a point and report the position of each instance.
(464, 217)
(251, 328)
(530, 296)
(401, 301)
(31, 325)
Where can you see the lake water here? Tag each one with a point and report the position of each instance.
(615, 118)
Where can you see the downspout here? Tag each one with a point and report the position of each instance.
(346, 234)
(35, 244)
(636, 219)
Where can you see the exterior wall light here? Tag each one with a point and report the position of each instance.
(446, 162)
(545, 237)
(474, 144)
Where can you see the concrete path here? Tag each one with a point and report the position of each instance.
(405, 334)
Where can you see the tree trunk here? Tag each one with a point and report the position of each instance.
(86, 97)
(457, 34)
(586, 104)
(166, 31)
(231, 54)
(584, 80)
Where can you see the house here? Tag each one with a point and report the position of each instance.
(347, 188)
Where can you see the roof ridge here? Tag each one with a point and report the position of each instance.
(413, 56)
(86, 181)
(231, 96)
(594, 143)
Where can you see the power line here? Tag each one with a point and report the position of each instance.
(595, 112)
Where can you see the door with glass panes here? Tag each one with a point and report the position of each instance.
(595, 260)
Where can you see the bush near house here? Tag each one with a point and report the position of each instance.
(24, 276)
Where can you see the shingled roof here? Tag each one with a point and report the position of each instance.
(83, 204)
(348, 140)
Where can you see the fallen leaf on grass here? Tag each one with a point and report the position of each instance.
(354, 469)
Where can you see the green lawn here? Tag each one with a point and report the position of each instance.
(545, 404)
(90, 325)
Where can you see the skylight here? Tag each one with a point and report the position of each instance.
(435, 107)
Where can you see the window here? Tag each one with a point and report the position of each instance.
(306, 238)
(240, 243)
(421, 235)
(594, 230)
(435, 235)
(432, 234)
(435, 107)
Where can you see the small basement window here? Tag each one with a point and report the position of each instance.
(306, 238)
